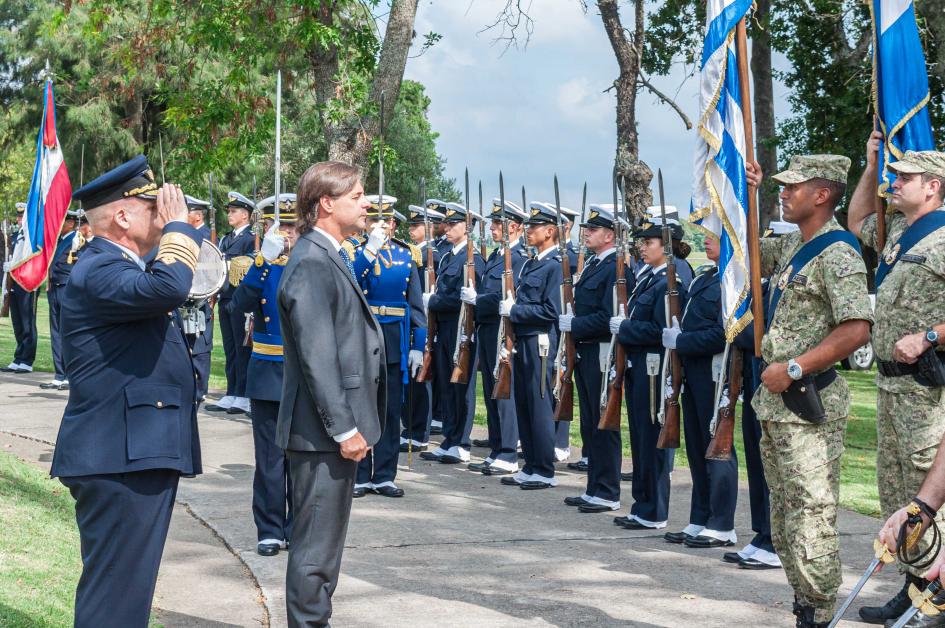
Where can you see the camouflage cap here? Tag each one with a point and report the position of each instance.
(915, 162)
(807, 167)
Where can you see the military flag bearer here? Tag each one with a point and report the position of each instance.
(22, 310)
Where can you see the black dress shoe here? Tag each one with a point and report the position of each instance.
(493, 470)
(389, 491)
(751, 563)
(535, 485)
(235, 410)
(7, 369)
(576, 501)
(626, 477)
(706, 542)
(677, 537)
(267, 549)
(48, 385)
(430, 455)
(215, 408)
(732, 557)
(510, 481)
(631, 524)
(359, 491)
(481, 442)
(63, 386)
(580, 465)
(436, 431)
(593, 508)
(450, 459)
(479, 467)
(892, 609)
(417, 448)
(622, 521)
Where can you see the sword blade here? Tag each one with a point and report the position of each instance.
(905, 617)
(856, 590)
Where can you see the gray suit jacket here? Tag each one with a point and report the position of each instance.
(334, 378)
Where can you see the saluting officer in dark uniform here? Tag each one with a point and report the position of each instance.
(256, 294)
(589, 326)
(641, 332)
(238, 247)
(501, 421)
(201, 344)
(129, 431)
(459, 400)
(59, 269)
(534, 314)
(417, 420)
(22, 310)
(386, 270)
(699, 340)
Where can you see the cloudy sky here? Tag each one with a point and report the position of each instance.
(542, 110)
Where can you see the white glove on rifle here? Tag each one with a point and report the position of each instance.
(564, 321)
(670, 334)
(426, 300)
(377, 238)
(7, 267)
(76, 243)
(615, 321)
(468, 295)
(505, 307)
(414, 361)
(273, 245)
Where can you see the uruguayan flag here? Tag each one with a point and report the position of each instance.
(900, 83)
(720, 191)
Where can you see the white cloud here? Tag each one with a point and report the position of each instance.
(584, 103)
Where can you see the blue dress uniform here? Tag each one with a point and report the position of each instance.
(391, 285)
(459, 400)
(256, 294)
(22, 315)
(129, 430)
(714, 482)
(534, 318)
(593, 307)
(238, 247)
(423, 395)
(501, 420)
(440, 383)
(59, 270)
(642, 335)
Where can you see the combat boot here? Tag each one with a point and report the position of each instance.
(805, 617)
(894, 607)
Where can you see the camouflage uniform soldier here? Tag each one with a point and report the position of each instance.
(819, 313)
(910, 306)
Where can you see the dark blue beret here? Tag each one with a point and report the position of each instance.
(131, 179)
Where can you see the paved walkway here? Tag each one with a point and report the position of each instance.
(458, 550)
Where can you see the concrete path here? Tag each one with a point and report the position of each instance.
(458, 550)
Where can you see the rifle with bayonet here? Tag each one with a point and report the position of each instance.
(462, 355)
(723, 435)
(566, 359)
(612, 393)
(669, 433)
(581, 248)
(482, 227)
(506, 338)
(5, 285)
(426, 370)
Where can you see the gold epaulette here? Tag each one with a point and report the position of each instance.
(177, 247)
(348, 246)
(416, 254)
(282, 261)
(238, 268)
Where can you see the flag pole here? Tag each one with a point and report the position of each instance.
(754, 247)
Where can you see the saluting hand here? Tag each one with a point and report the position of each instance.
(355, 448)
(171, 205)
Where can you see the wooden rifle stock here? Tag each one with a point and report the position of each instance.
(610, 415)
(720, 447)
(426, 369)
(567, 352)
(669, 433)
(502, 388)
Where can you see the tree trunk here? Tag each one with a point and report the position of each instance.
(629, 53)
(765, 130)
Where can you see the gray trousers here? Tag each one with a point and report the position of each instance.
(322, 483)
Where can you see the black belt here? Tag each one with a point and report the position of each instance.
(896, 369)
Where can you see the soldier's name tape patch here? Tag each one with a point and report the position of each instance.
(915, 259)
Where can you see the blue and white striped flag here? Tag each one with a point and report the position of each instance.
(900, 83)
(720, 190)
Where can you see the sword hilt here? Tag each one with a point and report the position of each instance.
(882, 553)
(931, 601)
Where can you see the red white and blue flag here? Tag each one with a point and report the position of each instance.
(50, 194)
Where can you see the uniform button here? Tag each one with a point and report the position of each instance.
(266, 319)
(377, 380)
(160, 404)
(263, 301)
(376, 350)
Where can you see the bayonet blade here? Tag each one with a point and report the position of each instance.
(380, 158)
(277, 190)
(161, 149)
(468, 206)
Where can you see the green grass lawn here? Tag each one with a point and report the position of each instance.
(858, 469)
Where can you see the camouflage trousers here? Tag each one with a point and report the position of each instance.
(909, 427)
(802, 467)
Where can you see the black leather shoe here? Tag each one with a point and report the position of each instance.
(481, 442)
(894, 608)
(7, 369)
(751, 563)
(267, 549)
(479, 467)
(510, 481)
(626, 477)
(48, 385)
(448, 459)
(594, 508)
(535, 485)
(631, 524)
(580, 465)
(576, 501)
(215, 408)
(415, 448)
(430, 455)
(389, 491)
(493, 470)
(235, 410)
(359, 491)
(732, 557)
(677, 537)
(63, 386)
(706, 542)
(436, 431)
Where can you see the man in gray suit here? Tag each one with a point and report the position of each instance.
(334, 387)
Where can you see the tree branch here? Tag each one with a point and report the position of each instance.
(510, 20)
(642, 80)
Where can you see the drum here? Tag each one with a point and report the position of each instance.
(210, 274)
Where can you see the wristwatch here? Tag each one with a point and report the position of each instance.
(794, 370)
(932, 336)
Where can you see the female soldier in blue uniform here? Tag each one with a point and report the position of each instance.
(641, 332)
(256, 294)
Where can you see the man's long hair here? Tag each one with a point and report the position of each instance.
(326, 178)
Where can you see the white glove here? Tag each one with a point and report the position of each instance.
(76, 243)
(376, 238)
(505, 307)
(468, 295)
(273, 245)
(615, 321)
(564, 321)
(669, 387)
(503, 353)
(414, 361)
(426, 300)
(7, 267)
(670, 334)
